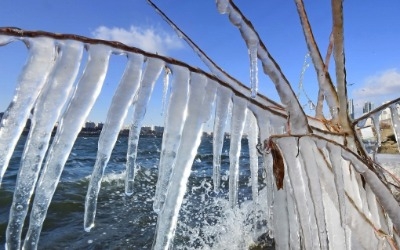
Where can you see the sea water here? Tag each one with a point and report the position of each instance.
(206, 220)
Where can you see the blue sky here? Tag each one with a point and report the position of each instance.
(372, 41)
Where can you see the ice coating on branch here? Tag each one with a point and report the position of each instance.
(223, 102)
(252, 137)
(30, 82)
(150, 75)
(173, 125)
(199, 108)
(293, 217)
(308, 150)
(238, 119)
(395, 122)
(47, 111)
(4, 40)
(117, 112)
(302, 195)
(336, 162)
(85, 95)
(167, 72)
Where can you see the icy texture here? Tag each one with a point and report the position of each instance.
(117, 112)
(375, 120)
(252, 137)
(221, 114)
(294, 227)
(297, 117)
(302, 195)
(336, 162)
(86, 93)
(395, 122)
(308, 151)
(174, 120)
(151, 74)
(31, 80)
(167, 72)
(6, 39)
(47, 111)
(199, 108)
(238, 119)
(253, 69)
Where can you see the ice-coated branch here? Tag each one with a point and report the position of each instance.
(339, 56)
(296, 116)
(224, 77)
(324, 80)
(383, 194)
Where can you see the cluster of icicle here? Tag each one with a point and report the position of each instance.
(50, 89)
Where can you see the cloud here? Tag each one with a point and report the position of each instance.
(148, 39)
(378, 88)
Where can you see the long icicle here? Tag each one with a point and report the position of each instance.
(54, 94)
(252, 137)
(117, 112)
(174, 121)
(296, 116)
(238, 119)
(33, 77)
(199, 108)
(85, 95)
(150, 75)
(224, 98)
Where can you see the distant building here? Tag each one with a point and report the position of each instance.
(100, 125)
(368, 106)
(90, 125)
(350, 106)
(158, 129)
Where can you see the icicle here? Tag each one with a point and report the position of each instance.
(361, 123)
(38, 66)
(191, 138)
(4, 40)
(85, 94)
(252, 48)
(252, 132)
(174, 120)
(302, 196)
(265, 128)
(167, 72)
(293, 217)
(54, 95)
(221, 113)
(395, 122)
(151, 74)
(281, 219)
(308, 151)
(237, 125)
(223, 6)
(375, 120)
(334, 152)
(122, 98)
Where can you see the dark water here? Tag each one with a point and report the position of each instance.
(129, 222)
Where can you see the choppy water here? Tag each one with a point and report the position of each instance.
(205, 222)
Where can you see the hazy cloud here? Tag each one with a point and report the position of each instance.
(378, 88)
(148, 39)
